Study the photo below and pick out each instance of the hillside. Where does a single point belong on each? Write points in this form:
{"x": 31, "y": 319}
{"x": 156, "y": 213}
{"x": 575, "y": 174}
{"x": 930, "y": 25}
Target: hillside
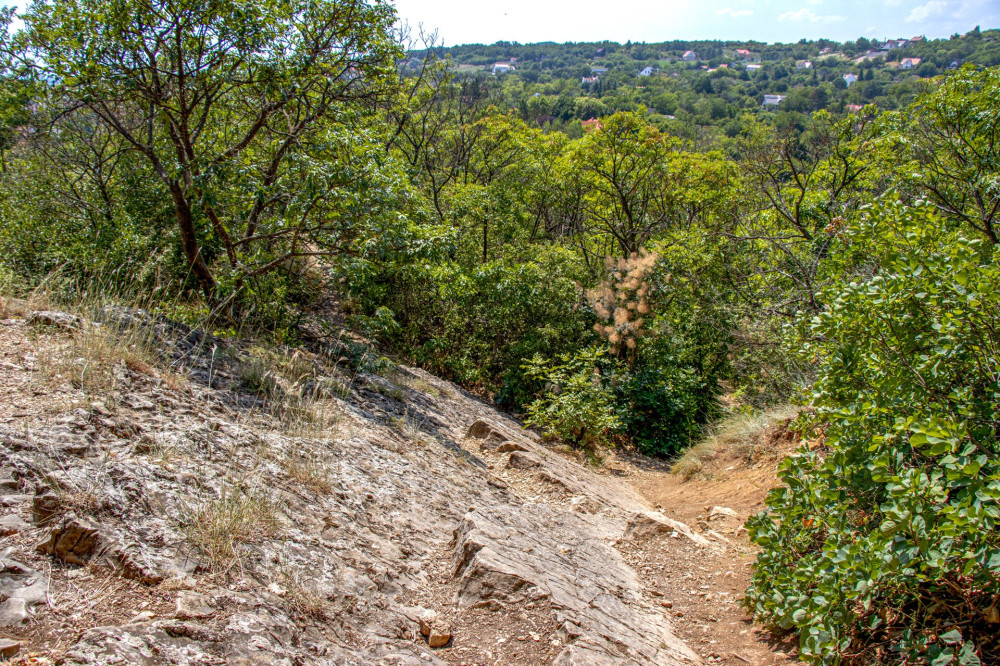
{"x": 160, "y": 512}
{"x": 694, "y": 88}
{"x": 275, "y": 277}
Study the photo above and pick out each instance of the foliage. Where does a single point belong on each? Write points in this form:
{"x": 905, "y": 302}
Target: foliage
{"x": 237, "y": 111}
{"x": 884, "y": 548}
{"x": 953, "y": 139}
{"x": 577, "y": 405}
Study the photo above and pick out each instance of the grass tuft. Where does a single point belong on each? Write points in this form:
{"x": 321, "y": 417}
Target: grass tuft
{"x": 738, "y": 435}
{"x": 220, "y": 527}
{"x": 308, "y": 470}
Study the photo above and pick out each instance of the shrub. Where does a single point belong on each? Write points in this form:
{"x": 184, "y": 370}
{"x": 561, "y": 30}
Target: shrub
{"x": 886, "y": 548}
{"x": 576, "y": 407}
{"x": 662, "y": 407}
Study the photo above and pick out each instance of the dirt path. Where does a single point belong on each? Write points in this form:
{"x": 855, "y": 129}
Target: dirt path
{"x": 702, "y": 587}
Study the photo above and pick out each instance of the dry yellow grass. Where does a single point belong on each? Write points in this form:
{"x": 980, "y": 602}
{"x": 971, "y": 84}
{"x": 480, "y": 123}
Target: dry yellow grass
{"x": 303, "y": 599}
{"x": 738, "y": 435}
{"x": 218, "y": 527}
{"x": 307, "y": 469}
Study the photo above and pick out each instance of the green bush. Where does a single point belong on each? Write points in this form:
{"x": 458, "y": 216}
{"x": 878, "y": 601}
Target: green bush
{"x": 477, "y": 325}
{"x": 884, "y": 547}
{"x": 577, "y": 405}
{"x": 662, "y": 407}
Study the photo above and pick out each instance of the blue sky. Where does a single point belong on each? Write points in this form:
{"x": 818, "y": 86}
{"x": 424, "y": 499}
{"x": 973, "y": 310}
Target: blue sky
{"x": 463, "y": 22}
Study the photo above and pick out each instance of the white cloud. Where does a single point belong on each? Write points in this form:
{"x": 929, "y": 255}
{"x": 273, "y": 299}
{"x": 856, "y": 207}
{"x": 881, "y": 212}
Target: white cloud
{"x": 735, "y": 13}
{"x": 925, "y": 11}
{"x": 809, "y": 15}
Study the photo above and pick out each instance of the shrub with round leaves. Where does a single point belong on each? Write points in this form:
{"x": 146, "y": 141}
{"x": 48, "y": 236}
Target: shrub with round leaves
{"x": 883, "y": 546}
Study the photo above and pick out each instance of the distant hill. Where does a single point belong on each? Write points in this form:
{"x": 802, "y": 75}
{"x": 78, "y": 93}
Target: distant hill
{"x": 687, "y": 85}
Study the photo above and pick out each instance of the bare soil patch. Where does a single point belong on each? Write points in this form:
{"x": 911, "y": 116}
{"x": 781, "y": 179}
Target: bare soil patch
{"x": 702, "y": 588}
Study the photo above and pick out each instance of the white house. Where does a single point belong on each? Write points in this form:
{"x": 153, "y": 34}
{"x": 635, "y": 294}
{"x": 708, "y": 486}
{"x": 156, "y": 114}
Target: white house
{"x": 892, "y": 44}
{"x": 588, "y": 80}
{"x": 503, "y": 68}
{"x": 689, "y": 56}
{"x": 646, "y": 71}
{"x": 850, "y": 78}
{"x": 909, "y": 63}
{"x": 772, "y": 101}
{"x": 753, "y": 67}
{"x": 803, "y": 64}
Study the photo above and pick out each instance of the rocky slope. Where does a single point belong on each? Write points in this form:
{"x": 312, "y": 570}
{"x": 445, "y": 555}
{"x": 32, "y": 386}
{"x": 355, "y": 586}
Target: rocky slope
{"x": 169, "y": 515}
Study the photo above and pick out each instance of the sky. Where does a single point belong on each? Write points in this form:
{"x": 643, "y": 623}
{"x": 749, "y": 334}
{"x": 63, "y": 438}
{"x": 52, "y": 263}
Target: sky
{"x": 527, "y": 21}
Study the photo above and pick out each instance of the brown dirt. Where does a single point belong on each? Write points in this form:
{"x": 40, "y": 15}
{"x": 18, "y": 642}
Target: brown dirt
{"x": 702, "y": 588}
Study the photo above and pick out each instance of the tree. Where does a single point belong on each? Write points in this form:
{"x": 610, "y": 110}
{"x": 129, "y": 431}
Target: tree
{"x": 230, "y": 104}
{"x": 624, "y": 169}
{"x": 954, "y": 139}
{"x": 800, "y": 186}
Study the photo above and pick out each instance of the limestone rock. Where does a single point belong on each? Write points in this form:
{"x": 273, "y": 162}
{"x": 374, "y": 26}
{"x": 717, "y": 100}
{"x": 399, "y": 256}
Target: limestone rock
{"x": 479, "y": 430}
{"x": 511, "y": 446}
{"x": 358, "y": 531}
{"x": 490, "y": 437}
{"x": 8, "y": 484}
{"x": 45, "y": 505}
{"x": 499, "y": 556}
{"x": 193, "y": 606}
{"x": 12, "y": 524}
{"x": 62, "y": 320}
{"x": 522, "y": 460}
{"x": 439, "y": 635}
{"x": 9, "y": 648}
{"x": 14, "y": 612}
{"x": 436, "y": 631}
{"x": 722, "y": 512}
{"x": 143, "y": 616}
{"x": 647, "y": 524}
{"x": 74, "y": 540}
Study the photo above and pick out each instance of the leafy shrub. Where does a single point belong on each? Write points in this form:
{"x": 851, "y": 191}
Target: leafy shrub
{"x": 886, "y": 548}
{"x": 662, "y": 407}
{"x": 475, "y": 324}
{"x": 577, "y": 406}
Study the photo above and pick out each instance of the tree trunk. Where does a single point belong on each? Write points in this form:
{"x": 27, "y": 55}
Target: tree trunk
{"x": 189, "y": 240}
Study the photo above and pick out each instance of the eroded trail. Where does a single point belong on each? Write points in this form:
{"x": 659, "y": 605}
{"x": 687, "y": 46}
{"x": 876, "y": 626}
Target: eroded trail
{"x": 156, "y": 518}
{"x": 701, "y": 586}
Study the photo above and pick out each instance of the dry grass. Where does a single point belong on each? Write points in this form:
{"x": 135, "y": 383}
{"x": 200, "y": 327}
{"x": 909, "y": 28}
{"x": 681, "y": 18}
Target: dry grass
{"x": 411, "y": 427}
{"x": 737, "y": 435}
{"x": 302, "y": 599}
{"x": 11, "y": 307}
{"x": 89, "y": 358}
{"x": 219, "y": 527}
{"x": 418, "y": 384}
{"x": 257, "y": 376}
{"x": 307, "y": 469}
{"x": 308, "y": 418}
{"x": 389, "y": 390}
